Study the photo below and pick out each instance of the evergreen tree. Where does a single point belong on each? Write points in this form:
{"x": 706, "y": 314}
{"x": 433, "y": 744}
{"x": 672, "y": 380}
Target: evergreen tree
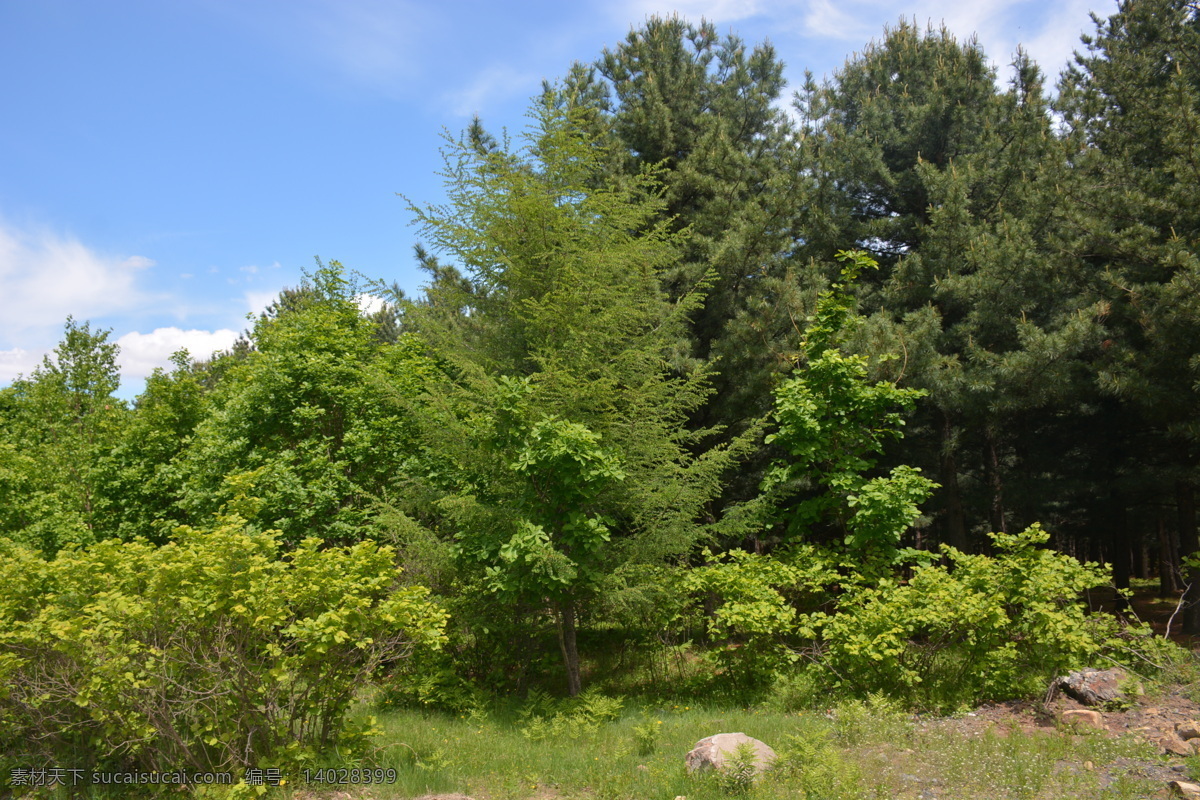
{"x": 1132, "y": 110}
{"x": 677, "y": 96}
{"x": 556, "y": 450}
{"x": 951, "y": 184}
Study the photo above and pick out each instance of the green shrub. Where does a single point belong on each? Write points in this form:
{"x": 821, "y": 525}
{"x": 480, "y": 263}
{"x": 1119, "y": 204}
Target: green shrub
{"x": 755, "y": 614}
{"x": 981, "y": 628}
{"x": 213, "y": 652}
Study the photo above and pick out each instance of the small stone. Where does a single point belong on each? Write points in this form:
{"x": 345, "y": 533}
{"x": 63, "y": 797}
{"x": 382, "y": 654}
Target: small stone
{"x": 1173, "y": 745}
{"x": 1188, "y": 730}
{"x": 1191, "y": 791}
{"x": 1151, "y": 712}
{"x": 1088, "y": 765}
{"x": 1084, "y": 718}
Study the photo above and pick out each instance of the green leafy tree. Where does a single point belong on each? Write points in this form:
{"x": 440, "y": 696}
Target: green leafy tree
{"x": 142, "y": 482}
{"x": 842, "y": 523}
{"x": 59, "y": 427}
{"x": 556, "y": 448}
{"x": 833, "y": 424}
{"x": 306, "y": 412}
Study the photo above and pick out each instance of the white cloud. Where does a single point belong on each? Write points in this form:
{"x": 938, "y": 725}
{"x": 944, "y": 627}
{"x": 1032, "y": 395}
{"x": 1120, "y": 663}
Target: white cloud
{"x": 142, "y": 352}
{"x": 371, "y": 39}
{"x": 1053, "y": 46}
{"x": 1048, "y": 31}
{"x": 491, "y": 87}
{"x": 46, "y": 276}
{"x": 257, "y": 302}
{"x": 16, "y": 362}
{"x": 378, "y": 42}
{"x": 369, "y": 303}
{"x": 844, "y": 21}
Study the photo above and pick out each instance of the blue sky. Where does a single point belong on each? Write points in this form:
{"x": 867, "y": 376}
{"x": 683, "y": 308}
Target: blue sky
{"x": 167, "y": 167}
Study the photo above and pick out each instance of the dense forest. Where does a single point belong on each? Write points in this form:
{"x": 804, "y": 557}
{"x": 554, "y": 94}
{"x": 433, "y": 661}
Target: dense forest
{"x": 851, "y": 393}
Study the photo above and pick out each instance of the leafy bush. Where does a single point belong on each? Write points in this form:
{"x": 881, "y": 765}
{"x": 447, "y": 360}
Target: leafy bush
{"x": 213, "y": 652}
{"x": 755, "y": 613}
{"x": 980, "y": 628}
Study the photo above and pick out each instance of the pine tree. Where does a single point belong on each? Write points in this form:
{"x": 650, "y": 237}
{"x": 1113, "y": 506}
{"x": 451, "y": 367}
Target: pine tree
{"x": 1132, "y": 110}
{"x": 951, "y": 184}
{"x": 677, "y": 96}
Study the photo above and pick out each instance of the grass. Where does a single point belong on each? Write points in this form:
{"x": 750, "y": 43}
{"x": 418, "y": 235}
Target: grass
{"x": 858, "y": 750}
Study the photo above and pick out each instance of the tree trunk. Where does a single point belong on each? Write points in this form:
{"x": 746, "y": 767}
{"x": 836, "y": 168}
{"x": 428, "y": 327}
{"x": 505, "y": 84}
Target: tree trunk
{"x": 1185, "y": 504}
{"x": 956, "y": 524}
{"x": 1141, "y": 568}
{"x": 1167, "y": 583}
{"x": 570, "y": 649}
{"x": 1119, "y": 546}
{"x": 996, "y": 480}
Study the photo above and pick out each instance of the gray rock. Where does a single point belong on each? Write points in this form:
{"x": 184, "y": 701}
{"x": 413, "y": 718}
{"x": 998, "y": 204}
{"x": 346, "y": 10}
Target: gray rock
{"x": 714, "y": 752}
{"x": 1093, "y": 687}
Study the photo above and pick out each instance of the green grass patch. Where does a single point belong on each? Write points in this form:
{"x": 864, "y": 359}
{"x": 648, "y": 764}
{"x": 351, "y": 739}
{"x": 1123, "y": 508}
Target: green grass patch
{"x": 856, "y": 750}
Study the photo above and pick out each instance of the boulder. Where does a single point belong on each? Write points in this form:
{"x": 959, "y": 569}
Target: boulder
{"x": 1188, "y": 730}
{"x": 714, "y": 752}
{"x": 1191, "y": 791}
{"x": 1093, "y": 687}
{"x": 1087, "y": 717}
{"x": 1174, "y": 746}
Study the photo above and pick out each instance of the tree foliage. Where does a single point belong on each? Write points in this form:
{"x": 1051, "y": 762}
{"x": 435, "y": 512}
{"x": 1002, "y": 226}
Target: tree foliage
{"x": 557, "y": 441}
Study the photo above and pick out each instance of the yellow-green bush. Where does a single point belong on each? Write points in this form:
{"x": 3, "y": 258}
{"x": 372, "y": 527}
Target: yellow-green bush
{"x": 979, "y": 628}
{"x": 213, "y": 652}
